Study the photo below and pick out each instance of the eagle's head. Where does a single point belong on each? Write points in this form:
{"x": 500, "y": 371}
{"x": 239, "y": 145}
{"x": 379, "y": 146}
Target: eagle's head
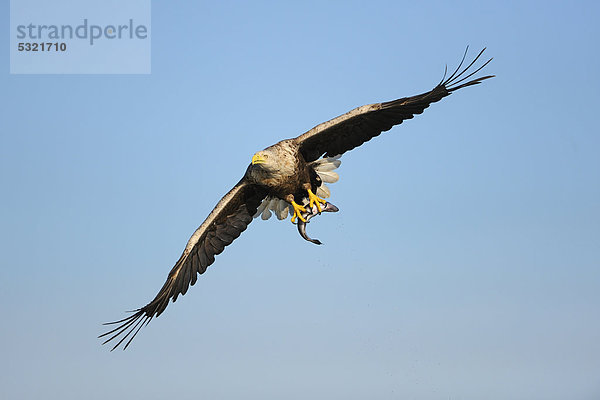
{"x": 265, "y": 160}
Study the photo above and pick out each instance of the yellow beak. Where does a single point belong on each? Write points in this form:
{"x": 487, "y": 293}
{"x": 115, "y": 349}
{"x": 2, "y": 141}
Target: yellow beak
{"x": 257, "y": 159}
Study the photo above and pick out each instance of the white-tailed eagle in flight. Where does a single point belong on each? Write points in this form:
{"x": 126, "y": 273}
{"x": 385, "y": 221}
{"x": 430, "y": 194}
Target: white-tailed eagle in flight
{"x": 288, "y": 177}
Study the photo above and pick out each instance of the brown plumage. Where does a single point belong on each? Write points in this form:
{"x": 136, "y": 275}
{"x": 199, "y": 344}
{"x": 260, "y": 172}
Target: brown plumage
{"x": 283, "y": 171}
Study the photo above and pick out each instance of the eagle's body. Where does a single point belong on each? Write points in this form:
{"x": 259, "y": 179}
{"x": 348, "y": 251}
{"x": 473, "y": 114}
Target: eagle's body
{"x": 286, "y": 177}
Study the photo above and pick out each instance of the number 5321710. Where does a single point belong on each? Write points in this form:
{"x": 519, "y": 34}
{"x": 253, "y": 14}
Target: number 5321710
{"x": 44, "y": 46}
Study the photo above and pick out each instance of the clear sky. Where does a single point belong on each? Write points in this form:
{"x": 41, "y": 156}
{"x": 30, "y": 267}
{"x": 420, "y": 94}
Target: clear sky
{"x": 464, "y": 262}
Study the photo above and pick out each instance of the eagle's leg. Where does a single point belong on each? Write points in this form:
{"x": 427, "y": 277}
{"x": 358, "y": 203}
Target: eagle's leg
{"x": 298, "y": 209}
{"x": 314, "y": 199}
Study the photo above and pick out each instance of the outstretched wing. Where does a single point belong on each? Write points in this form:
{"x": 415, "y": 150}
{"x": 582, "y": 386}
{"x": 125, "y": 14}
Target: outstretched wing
{"x": 224, "y": 224}
{"x": 360, "y": 125}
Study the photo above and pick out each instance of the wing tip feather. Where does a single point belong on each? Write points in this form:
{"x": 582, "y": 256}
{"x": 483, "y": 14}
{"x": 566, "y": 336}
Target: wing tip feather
{"x": 454, "y": 81}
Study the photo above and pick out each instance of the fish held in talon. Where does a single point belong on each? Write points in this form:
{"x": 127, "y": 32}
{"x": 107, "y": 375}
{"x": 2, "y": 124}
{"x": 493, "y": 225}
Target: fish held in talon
{"x": 311, "y": 212}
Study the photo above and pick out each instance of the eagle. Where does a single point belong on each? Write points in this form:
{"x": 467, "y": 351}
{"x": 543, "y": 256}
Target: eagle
{"x": 287, "y": 177}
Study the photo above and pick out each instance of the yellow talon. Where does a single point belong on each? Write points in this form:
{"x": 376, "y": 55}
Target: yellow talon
{"x": 314, "y": 199}
{"x": 297, "y": 210}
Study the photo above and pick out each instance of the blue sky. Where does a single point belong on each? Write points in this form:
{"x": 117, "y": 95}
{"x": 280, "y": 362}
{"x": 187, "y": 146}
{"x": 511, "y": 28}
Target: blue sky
{"x": 464, "y": 261}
